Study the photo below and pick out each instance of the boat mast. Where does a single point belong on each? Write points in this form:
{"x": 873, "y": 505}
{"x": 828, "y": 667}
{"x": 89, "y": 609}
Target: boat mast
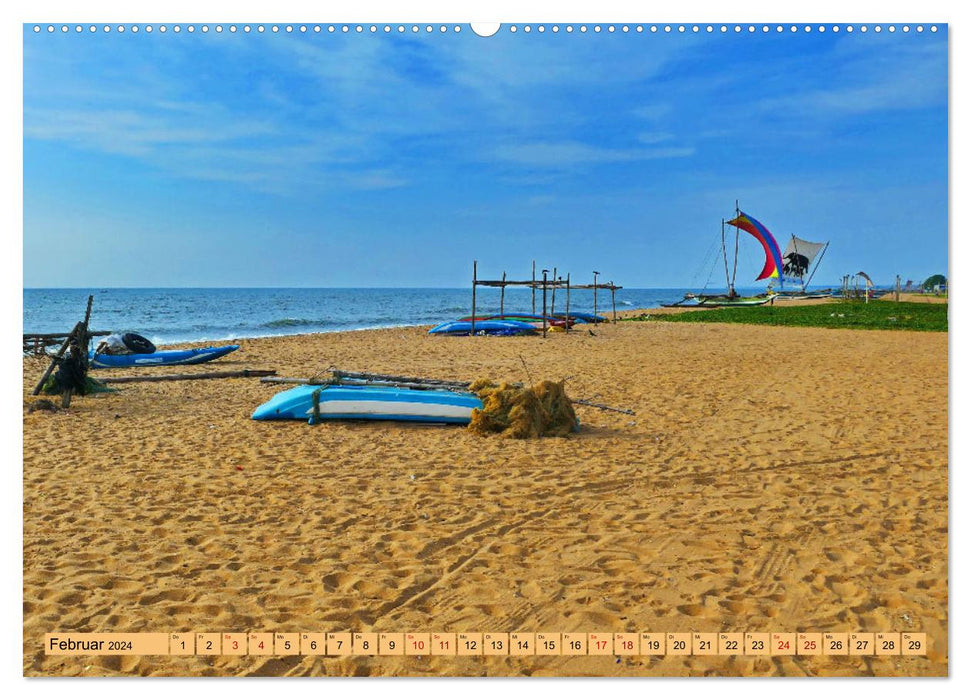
{"x": 819, "y": 259}
{"x": 728, "y": 282}
{"x": 731, "y": 291}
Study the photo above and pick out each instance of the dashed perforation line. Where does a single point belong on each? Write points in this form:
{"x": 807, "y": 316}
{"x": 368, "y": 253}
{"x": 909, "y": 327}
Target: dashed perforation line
{"x": 455, "y": 28}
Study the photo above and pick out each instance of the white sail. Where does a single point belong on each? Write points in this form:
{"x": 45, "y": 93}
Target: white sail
{"x": 798, "y": 258}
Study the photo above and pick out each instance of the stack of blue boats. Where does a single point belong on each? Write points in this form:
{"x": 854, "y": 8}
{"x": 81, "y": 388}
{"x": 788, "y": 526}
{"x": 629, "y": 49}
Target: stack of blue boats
{"x": 512, "y": 324}
{"x": 485, "y": 327}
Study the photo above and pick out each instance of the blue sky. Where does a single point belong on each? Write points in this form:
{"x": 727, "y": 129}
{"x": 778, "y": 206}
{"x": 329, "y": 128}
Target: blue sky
{"x": 394, "y": 160}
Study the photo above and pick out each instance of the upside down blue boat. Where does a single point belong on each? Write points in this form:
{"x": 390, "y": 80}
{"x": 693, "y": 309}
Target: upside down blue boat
{"x": 310, "y": 403}
{"x": 162, "y": 358}
{"x": 486, "y": 327}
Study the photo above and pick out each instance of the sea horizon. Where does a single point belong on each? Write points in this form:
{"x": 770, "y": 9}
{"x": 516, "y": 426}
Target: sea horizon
{"x": 169, "y": 315}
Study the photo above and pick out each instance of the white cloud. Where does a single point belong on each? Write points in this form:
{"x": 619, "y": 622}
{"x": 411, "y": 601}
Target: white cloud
{"x": 572, "y": 153}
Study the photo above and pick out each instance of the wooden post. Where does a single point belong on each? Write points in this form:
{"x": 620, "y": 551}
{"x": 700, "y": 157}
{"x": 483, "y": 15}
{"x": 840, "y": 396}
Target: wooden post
{"x": 595, "y": 273}
{"x": 553, "y": 295}
{"x": 544, "y": 302}
{"x": 897, "y": 294}
{"x": 85, "y": 340}
{"x": 475, "y": 272}
{"x": 534, "y": 288}
{"x": 567, "y": 302}
{"x": 613, "y": 299}
{"x": 502, "y": 296}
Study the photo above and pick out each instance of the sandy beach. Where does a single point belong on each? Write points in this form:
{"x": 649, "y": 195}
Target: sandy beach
{"x": 772, "y": 479}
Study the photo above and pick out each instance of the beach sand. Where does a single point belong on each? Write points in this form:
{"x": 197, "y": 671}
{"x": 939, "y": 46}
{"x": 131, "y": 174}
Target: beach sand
{"x": 772, "y": 479}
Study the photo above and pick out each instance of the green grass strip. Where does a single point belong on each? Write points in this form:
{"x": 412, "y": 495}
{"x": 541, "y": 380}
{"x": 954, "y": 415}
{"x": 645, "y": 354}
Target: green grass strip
{"x": 876, "y": 315}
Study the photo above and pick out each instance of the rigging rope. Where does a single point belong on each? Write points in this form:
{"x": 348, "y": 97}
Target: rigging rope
{"x": 711, "y": 266}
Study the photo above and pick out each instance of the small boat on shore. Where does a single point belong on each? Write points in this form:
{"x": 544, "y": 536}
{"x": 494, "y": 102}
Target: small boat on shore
{"x": 369, "y": 402}
{"x": 486, "y": 327}
{"x": 162, "y": 358}
{"x": 721, "y": 301}
{"x": 791, "y": 266}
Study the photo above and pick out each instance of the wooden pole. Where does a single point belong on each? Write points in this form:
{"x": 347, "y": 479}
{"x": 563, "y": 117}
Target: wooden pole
{"x": 342, "y": 374}
{"x": 534, "y": 288}
{"x": 502, "y": 296}
{"x": 58, "y": 336}
{"x": 316, "y": 381}
{"x": 475, "y": 274}
{"x": 595, "y": 273}
{"x": 87, "y": 311}
{"x": 568, "y": 302}
{"x": 229, "y": 374}
{"x": 613, "y": 299}
{"x": 738, "y": 213}
{"x": 553, "y": 295}
{"x": 544, "y": 302}
{"x": 85, "y": 340}
{"x": 897, "y": 294}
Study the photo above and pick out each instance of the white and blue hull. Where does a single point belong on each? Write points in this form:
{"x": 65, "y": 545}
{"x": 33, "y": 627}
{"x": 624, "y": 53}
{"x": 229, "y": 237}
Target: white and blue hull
{"x": 369, "y": 403}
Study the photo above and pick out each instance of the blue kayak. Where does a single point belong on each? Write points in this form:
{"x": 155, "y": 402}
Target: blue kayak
{"x": 486, "y": 327}
{"x": 165, "y": 357}
{"x": 370, "y": 403}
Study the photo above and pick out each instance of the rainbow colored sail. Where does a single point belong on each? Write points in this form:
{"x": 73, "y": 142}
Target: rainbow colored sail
{"x": 773, "y": 256}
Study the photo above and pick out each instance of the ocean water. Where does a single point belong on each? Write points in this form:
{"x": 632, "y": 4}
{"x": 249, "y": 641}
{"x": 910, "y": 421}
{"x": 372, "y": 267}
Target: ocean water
{"x": 175, "y": 315}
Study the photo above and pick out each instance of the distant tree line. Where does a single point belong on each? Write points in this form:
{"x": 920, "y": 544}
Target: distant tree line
{"x": 933, "y": 281}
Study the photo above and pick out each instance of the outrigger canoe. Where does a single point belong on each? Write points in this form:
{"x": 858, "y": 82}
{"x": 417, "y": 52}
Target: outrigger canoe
{"x": 312, "y": 403}
{"x": 725, "y": 301}
{"x": 163, "y": 358}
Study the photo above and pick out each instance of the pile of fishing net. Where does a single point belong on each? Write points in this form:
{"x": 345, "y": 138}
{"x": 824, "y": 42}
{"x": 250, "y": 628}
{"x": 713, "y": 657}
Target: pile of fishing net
{"x": 72, "y": 374}
{"x": 523, "y": 412}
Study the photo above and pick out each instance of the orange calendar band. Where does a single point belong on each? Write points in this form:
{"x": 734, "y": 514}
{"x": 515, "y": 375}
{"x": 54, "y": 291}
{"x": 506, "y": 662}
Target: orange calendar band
{"x": 487, "y": 644}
